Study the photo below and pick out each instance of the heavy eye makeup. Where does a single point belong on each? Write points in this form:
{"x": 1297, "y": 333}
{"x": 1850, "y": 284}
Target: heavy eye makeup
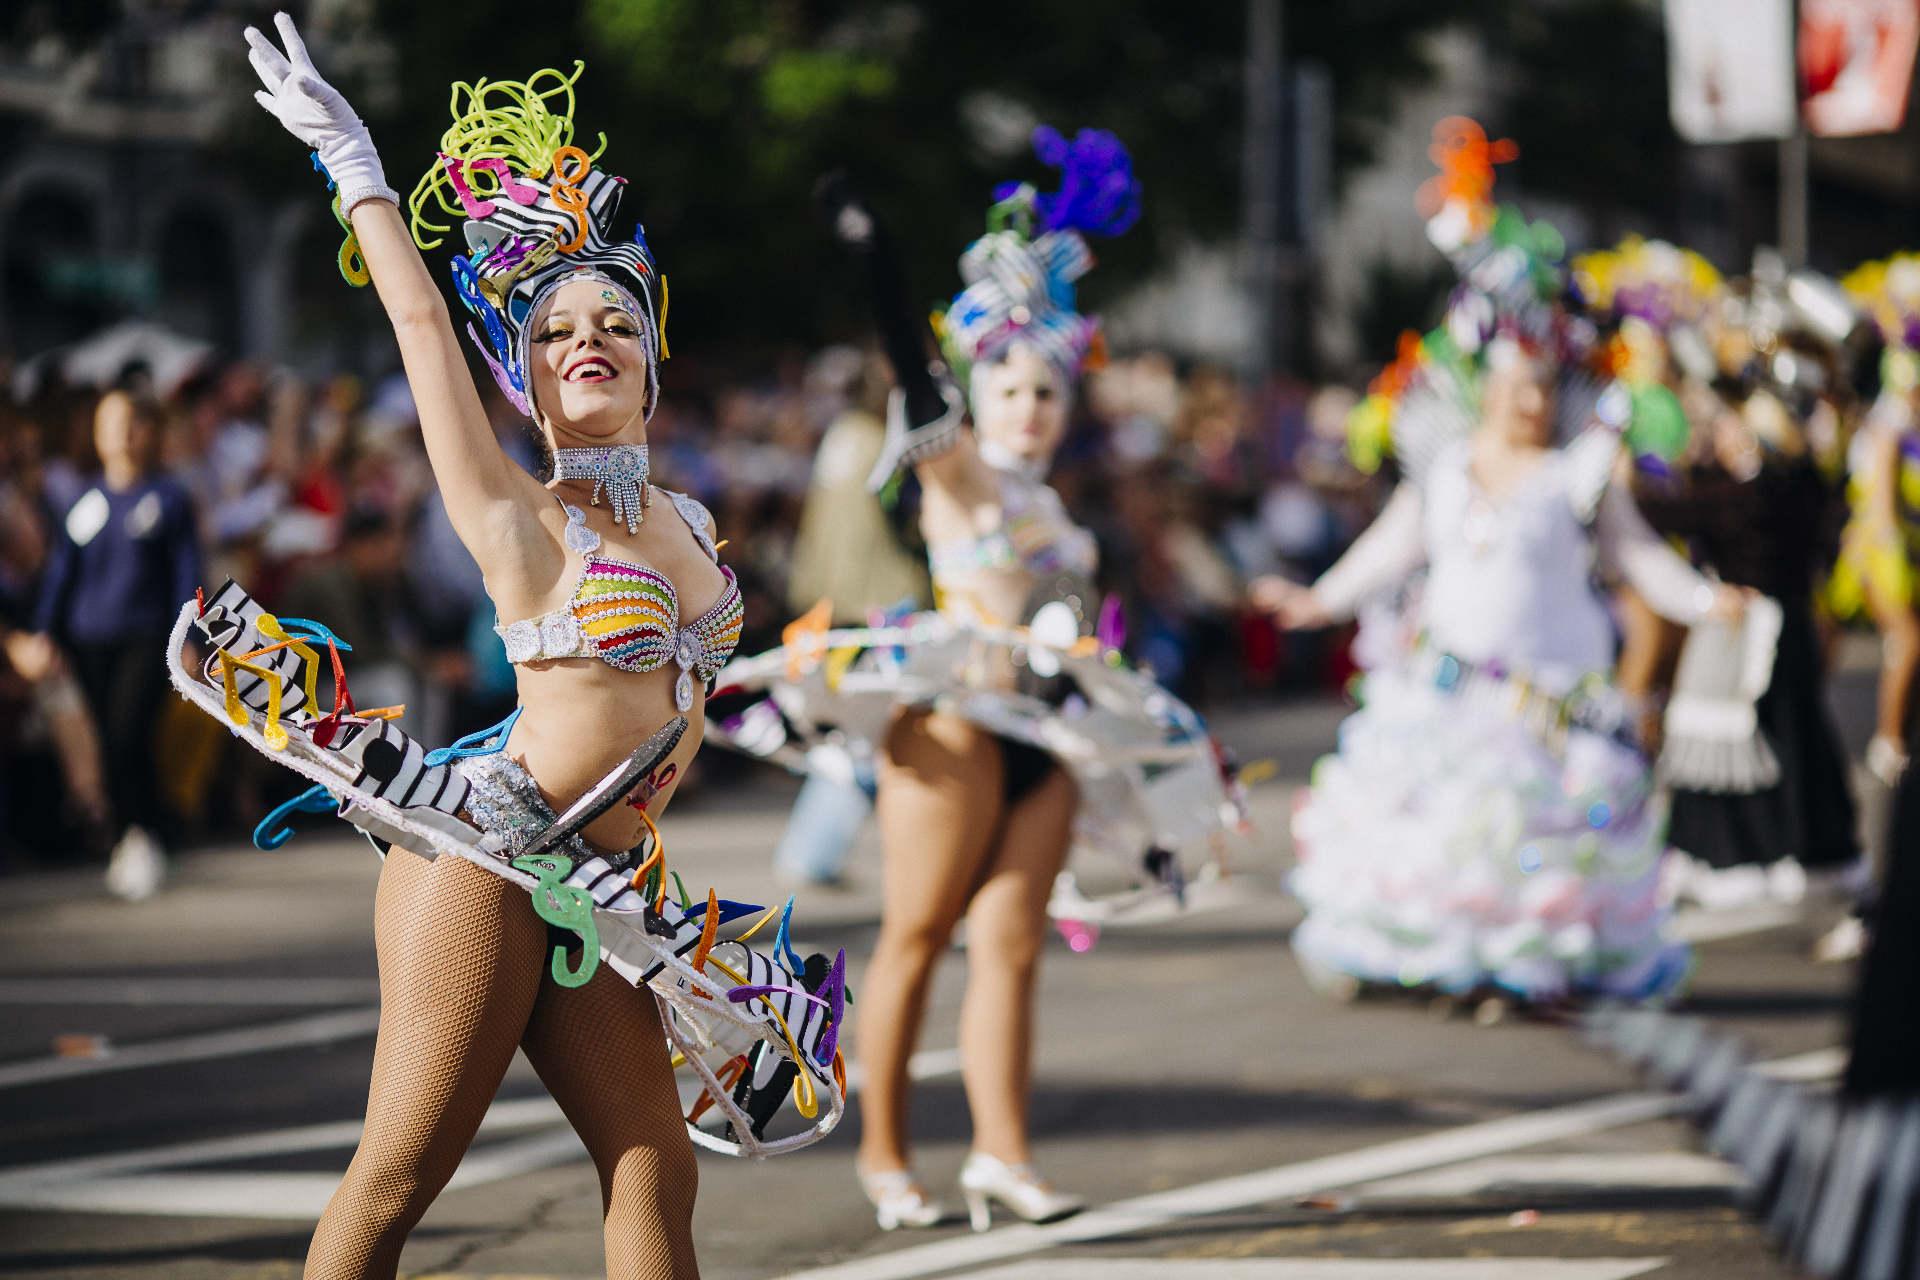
{"x": 618, "y": 323}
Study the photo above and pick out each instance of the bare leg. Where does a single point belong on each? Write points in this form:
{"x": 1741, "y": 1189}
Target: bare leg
{"x": 460, "y": 962}
{"x": 1649, "y": 650}
{"x": 939, "y": 805}
{"x": 1899, "y": 659}
{"x": 1006, "y": 928}
{"x": 602, "y": 1054}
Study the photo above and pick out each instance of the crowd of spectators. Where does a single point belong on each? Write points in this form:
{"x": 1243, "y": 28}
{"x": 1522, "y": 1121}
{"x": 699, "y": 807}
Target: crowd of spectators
{"x": 116, "y": 502}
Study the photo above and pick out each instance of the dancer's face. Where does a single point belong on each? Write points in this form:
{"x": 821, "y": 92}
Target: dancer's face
{"x": 1518, "y": 400}
{"x": 1020, "y": 404}
{"x": 589, "y": 366}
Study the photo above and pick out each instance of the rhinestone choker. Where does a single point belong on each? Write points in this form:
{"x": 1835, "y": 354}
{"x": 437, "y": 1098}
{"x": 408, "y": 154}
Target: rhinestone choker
{"x": 620, "y": 471}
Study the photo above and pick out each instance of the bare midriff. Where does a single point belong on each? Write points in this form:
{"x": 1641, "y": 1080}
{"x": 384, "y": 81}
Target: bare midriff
{"x": 582, "y": 720}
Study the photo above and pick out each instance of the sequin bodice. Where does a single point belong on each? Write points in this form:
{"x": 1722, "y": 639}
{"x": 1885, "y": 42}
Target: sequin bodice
{"x": 1035, "y": 535}
{"x": 628, "y": 615}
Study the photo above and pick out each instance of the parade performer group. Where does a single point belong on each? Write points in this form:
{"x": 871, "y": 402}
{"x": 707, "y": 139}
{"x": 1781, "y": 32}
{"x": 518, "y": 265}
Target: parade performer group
{"x": 525, "y": 899}
{"x": 1492, "y": 822}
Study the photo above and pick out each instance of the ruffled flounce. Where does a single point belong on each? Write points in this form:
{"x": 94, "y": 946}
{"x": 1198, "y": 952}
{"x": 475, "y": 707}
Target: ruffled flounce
{"x": 1450, "y": 844}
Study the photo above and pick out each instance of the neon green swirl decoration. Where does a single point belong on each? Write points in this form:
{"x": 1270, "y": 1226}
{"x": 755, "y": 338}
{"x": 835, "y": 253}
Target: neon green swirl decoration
{"x": 521, "y": 121}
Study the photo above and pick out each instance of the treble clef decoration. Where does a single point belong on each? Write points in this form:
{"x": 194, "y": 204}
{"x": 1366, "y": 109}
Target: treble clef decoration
{"x": 565, "y": 907}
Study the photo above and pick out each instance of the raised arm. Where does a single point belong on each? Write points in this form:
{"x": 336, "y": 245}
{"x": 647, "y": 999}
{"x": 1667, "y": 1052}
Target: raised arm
{"x": 1392, "y": 547}
{"x": 1675, "y": 589}
{"x": 942, "y": 451}
{"x": 487, "y": 496}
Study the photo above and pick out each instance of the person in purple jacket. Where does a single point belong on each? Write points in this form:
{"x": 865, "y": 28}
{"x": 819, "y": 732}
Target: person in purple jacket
{"x": 125, "y": 555}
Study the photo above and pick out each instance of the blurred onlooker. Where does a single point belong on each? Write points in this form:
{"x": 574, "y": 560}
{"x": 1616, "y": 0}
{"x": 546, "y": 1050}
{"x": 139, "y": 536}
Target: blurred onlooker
{"x": 360, "y": 594}
{"x": 849, "y": 549}
{"x": 126, "y": 555}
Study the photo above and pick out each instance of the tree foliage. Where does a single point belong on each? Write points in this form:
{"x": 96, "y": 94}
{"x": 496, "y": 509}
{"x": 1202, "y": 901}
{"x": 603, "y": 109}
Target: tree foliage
{"x": 723, "y": 113}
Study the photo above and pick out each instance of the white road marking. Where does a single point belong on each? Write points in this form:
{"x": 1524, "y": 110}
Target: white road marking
{"x": 1697, "y": 926}
{"x": 1327, "y": 1269}
{"x": 1584, "y": 1171}
{"x": 1285, "y": 1182}
{"x": 1288, "y": 1182}
{"x": 928, "y": 1064}
{"x": 325, "y": 1028}
{"x": 171, "y": 1180}
{"x": 188, "y": 991}
{"x": 322, "y": 1028}
{"x": 503, "y": 1116}
{"x": 1806, "y": 1068}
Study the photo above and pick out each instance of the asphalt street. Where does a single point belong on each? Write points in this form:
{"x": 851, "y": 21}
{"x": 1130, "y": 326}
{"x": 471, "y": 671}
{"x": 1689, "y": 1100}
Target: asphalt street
{"x": 181, "y": 1083}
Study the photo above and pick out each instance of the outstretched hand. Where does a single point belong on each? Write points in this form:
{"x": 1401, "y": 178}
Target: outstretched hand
{"x": 1292, "y": 605}
{"x": 1730, "y": 602}
{"x": 315, "y": 112}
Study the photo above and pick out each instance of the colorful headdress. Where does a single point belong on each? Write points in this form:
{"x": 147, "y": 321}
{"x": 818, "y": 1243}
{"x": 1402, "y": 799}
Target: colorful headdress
{"x": 1650, "y": 280}
{"x": 1511, "y": 291}
{"x": 1020, "y": 275}
{"x": 1458, "y": 200}
{"x": 1888, "y": 290}
{"x": 1656, "y": 298}
{"x": 537, "y": 212}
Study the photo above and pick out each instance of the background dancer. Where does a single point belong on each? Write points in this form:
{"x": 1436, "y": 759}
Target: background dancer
{"x": 976, "y": 825}
{"x": 1519, "y": 847}
{"x": 1753, "y": 506}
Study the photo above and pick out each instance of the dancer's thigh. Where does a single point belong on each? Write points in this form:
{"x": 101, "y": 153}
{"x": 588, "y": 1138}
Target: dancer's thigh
{"x": 1008, "y": 914}
{"x": 939, "y": 805}
{"x": 602, "y": 1054}
{"x": 460, "y": 963}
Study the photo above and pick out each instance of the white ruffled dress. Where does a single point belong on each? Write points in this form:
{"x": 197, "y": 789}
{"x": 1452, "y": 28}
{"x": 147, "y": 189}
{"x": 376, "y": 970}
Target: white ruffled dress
{"x": 1486, "y": 821}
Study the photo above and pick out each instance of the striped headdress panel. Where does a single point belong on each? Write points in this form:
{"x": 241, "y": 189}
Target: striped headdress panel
{"x": 501, "y": 241}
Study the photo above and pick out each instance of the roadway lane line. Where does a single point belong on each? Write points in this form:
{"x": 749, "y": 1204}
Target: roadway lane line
{"x": 504, "y": 1116}
{"x": 1327, "y": 1269}
{"x": 1806, "y": 1068}
{"x": 187, "y": 991}
{"x": 1584, "y": 1172}
{"x": 165, "y": 1180}
{"x": 323, "y": 1028}
{"x": 1697, "y": 926}
{"x": 1283, "y": 1183}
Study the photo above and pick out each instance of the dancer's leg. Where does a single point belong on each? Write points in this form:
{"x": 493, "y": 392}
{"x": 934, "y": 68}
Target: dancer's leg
{"x": 939, "y": 806}
{"x": 460, "y": 962}
{"x": 602, "y": 1054}
{"x": 1899, "y": 660}
{"x": 1006, "y": 928}
{"x": 1649, "y": 650}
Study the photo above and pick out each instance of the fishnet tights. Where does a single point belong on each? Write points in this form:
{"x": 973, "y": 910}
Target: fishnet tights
{"x": 463, "y": 964}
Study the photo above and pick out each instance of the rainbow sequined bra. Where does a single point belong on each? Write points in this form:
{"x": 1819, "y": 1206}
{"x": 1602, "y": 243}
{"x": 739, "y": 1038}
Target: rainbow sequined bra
{"x": 628, "y": 615}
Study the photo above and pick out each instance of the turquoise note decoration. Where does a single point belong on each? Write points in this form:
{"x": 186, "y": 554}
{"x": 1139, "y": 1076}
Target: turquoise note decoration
{"x": 565, "y": 907}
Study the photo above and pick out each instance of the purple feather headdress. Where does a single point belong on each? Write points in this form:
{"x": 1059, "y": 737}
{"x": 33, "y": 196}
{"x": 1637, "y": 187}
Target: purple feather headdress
{"x": 1020, "y": 275}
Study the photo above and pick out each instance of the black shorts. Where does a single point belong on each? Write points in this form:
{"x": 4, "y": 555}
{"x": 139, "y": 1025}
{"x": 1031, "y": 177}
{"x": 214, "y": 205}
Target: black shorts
{"x": 1023, "y": 767}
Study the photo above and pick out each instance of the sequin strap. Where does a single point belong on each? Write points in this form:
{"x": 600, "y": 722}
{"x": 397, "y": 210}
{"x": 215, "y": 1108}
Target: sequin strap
{"x": 698, "y": 519}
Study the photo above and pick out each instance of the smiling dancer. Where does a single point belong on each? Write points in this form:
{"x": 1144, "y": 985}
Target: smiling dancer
{"x": 618, "y": 613}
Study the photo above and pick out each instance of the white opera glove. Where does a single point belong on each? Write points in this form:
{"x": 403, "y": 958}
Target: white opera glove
{"x": 318, "y": 114}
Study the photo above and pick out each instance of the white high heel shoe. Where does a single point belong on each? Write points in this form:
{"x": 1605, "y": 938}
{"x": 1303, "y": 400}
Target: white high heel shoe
{"x": 1019, "y": 1189}
{"x": 899, "y": 1200}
